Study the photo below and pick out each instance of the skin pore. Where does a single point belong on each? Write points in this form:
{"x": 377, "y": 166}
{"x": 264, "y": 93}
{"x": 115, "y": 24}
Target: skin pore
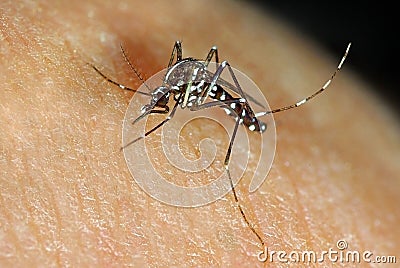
{"x": 67, "y": 197}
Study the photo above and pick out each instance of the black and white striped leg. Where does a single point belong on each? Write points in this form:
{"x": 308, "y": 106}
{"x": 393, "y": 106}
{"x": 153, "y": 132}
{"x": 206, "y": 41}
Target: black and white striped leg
{"x": 226, "y": 164}
{"x": 238, "y": 90}
{"x": 239, "y": 101}
{"x": 323, "y": 88}
{"x": 244, "y": 107}
{"x": 178, "y": 51}
{"x": 213, "y": 52}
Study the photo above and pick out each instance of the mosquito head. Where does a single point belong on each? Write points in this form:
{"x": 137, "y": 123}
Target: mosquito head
{"x": 160, "y": 96}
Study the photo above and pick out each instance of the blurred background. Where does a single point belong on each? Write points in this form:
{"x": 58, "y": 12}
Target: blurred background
{"x": 369, "y": 25}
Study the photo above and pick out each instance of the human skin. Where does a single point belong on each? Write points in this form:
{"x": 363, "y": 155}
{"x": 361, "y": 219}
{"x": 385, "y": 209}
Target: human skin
{"x": 67, "y": 197}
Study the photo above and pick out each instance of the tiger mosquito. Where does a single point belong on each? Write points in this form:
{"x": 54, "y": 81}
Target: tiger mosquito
{"x": 192, "y": 85}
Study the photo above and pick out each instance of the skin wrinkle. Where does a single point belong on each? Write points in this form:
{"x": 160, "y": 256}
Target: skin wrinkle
{"x": 52, "y": 146}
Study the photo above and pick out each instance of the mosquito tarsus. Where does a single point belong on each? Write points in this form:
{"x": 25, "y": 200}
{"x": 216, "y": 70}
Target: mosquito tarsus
{"x": 192, "y": 86}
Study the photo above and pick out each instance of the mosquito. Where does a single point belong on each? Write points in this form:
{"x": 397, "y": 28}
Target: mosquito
{"x": 189, "y": 84}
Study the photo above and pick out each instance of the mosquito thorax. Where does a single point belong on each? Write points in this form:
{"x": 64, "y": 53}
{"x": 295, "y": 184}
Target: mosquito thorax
{"x": 186, "y": 71}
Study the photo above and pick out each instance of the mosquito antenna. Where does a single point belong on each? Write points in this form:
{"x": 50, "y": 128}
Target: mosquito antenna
{"x": 139, "y": 75}
{"x": 325, "y": 86}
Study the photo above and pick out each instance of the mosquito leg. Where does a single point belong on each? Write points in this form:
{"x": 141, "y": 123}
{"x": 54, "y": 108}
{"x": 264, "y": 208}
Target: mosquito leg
{"x": 239, "y": 88}
{"x": 323, "y": 88}
{"x": 228, "y": 155}
{"x": 170, "y": 116}
{"x": 243, "y": 214}
{"x": 245, "y": 107}
{"x": 226, "y": 164}
{"x": 117, "y": 84}
{"x": 214, "y": 81}
{"x": 178, "y": 50}
{"x": 213, "y": 52}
